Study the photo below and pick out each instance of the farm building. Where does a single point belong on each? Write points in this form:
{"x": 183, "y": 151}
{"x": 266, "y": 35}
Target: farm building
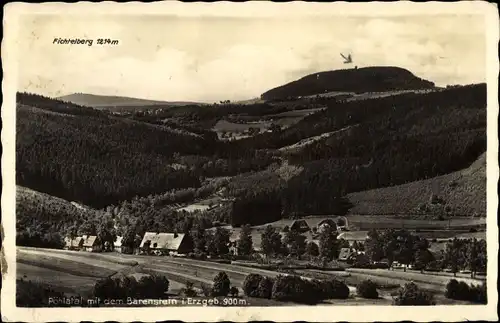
{"x": 167, "y": 243}
{"x": 73, "y": 244}
{"x": 300, "y": 226}
{"x": 91, "y": 243}
{"x": 327, "y": 222}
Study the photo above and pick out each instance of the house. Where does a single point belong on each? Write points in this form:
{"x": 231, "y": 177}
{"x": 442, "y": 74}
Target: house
{"x": 327, "y": 222}
{"x": 166, "y": 243}
{"x": 300, "y": 226}
{"x": 91, "y": 243}
{"x": 73, "y": 244}
{"x": 352, "y": 236}
{"x": 118, "y": 244}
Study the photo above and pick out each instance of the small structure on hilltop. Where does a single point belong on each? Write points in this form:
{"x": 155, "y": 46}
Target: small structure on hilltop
{"x": 73, "y": 243}
{"x": 300, "y": 226}
{"x": 166, "y": 243}
{"x": 91, "y": 243}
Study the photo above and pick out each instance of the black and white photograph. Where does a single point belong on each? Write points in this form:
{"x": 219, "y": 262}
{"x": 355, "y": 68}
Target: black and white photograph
{"x": 250, "y": 161}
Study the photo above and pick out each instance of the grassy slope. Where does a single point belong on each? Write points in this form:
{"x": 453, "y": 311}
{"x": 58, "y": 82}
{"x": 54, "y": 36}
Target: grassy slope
{"x": 464, "y": 191}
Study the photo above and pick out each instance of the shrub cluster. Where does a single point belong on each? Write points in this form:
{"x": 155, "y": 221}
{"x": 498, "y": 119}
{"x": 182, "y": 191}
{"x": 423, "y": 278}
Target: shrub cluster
{"x": 410, "y": 294}
{"x": 34, "y": 294}
{"x": 461, "y": 291}
{"x": 367, "y": 289}
{"x": 221, "y": 285}
{"x": 189, "y": 290}
{"x": 294, "y": 288}
{"x": 149, "y": 287}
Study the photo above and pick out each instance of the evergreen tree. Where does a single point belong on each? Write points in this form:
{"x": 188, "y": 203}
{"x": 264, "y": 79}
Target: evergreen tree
{"x": 328, "y": 245}
{"x": 245, "y": 243}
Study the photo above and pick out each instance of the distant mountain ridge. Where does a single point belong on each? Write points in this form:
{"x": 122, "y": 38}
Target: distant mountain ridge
{"x": 105, "y": 101}
{"x": 359, "y": 80}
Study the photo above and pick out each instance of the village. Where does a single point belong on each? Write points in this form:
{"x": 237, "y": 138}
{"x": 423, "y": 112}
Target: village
{"x": 182, "y": 244}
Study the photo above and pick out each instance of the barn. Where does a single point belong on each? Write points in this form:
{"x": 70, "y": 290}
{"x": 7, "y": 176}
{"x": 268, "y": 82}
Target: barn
{"x": 166, "y": 243}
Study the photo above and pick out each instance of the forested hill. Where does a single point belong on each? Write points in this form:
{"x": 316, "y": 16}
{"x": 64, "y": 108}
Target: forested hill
{"x": 367, "y": 79}
{"x": 384, "y": 142}
{"x": 101, "y": 159}
{"x": 104, "y": 101}
{"x": 54, "y": 105}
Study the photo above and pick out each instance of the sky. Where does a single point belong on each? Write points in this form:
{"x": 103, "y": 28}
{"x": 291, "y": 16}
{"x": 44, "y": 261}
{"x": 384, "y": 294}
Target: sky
{"x": 209, "y": 58}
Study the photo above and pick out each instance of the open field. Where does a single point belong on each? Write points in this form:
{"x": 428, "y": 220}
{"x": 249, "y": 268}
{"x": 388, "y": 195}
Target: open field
{"x": 308, "y": 141}
{"x": 367, "y": 222}
{"x": 417, "y": 277}
{"x": 56, "y": 279}
{"x": 224, "y": 125}
{"x": 296, "y": 113}
{"x": 76, "y": 273}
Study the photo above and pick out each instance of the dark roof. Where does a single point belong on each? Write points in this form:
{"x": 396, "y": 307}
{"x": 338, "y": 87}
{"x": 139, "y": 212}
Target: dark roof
{"x": 89, "y": 241}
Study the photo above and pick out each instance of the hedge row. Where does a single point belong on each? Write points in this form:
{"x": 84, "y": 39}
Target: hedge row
{"x": 461, "y": 291}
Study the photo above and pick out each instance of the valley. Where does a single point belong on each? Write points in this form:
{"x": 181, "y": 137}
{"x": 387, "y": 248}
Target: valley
{"x": 379, "y": 152}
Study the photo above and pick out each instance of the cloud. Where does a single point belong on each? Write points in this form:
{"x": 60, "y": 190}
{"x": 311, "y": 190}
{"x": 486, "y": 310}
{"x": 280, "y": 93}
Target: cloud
{"x": 207, "y": 60}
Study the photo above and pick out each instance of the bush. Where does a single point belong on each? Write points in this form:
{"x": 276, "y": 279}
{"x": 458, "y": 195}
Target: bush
{"x": 291, "y": 288}
{"x": 189, "y": 290}
{"x": 367, "y": 289}
{"x": 34, "y": 294}
{"x": 296, "y": 289}
{"x": 478, "y": 294}
{"x": 265, "y": 289}
{"x": 251, "y": 285}
{"x": 221, "y": 284}
{"x": 461, "y": 291}
{"x": 154, "y": 286}
{"x": 410, "y": 294}
{"x": 337, "y": 289}
{"x": 106, "y": 288}
{"x": 206, "y": 289}
{"x": 234, "y": 291}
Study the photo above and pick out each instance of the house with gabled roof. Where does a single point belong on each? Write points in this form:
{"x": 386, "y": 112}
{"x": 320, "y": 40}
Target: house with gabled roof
{"x": 300, "y": 226}
{"x": 167, "y": 243}
{"x": 91, "y": 243}
{"x": 73, "y": 243}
